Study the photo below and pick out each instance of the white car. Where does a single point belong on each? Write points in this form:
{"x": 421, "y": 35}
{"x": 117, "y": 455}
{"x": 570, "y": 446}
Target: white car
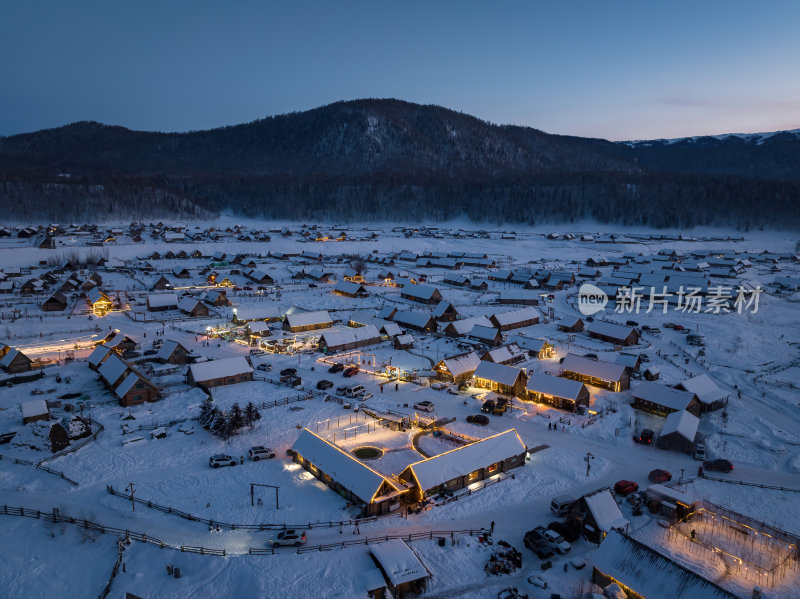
{"x": 220, "y": 459}
{"x": 366, "y": 396}
{"x": 260, "y": 453}
{"x": 288, "y": 537}
{"x": 257, "y": 352}
{"x": 424, "y": 406}
{"x": 265, "y": 367}
{"x": 556, "y": 541}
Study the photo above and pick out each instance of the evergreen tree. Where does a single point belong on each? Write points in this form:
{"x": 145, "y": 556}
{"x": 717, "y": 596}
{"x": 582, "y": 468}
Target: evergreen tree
{"x": 251, "y": 415}
{"x": 220, "y": 425}
{"x": 207, "y": 412}
{"x": 236, "y": 420}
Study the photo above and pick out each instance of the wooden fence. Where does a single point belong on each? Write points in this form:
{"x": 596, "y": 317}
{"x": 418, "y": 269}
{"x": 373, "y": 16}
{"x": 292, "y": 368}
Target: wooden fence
{"x": 749, "y": 484}
{"x": 414, "y": 536}
{"x": 231, "y": 526}
{"x": 39, "y": 466}
{"x": 114, "y": 571}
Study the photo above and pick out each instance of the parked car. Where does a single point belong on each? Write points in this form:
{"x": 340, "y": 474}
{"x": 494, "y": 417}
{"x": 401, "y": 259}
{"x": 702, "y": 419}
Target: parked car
{"x": 352, "y": 371}
{"x": 625, "y": 487}
{"x": 678, "y": 327}
{"x": 424, "y": 406}
{"x": 336, "y": 368}
{"x": 591, "y": 356}
{"x": 536, "y": 542}
{"x": 478, "y": 419}
{"x": 220, "y": 459}
{"x": 324, "y": 384}
{"x": 289, "y": 371}
{"x": 561, "y": 505}
{"x": 644, "y": 357}
{"x": 288, "y": 537}
{"x": 659, "y": 476}
{"x": 355, "y": 391}
{"x": 718, "y": 465}
{"x": 500, "y": 406}
{"x": 342, "y": 390}
{"x": 645, "y": 437}
{"x": 700, "y": 451}
{"x": 295, "y": 381}
{"x": 452, "y": 391}
{"x": 366, "y": 396}
{"x": 631, "y": 323}
{"x": 488, "y": 406}
{"x": 260, "y": 453}
{"x": 257, "y": 352}
{"x": 556, "y": 541}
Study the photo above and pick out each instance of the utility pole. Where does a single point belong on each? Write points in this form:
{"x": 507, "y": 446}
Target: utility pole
{"x": 133, "y": 503}
{"x": 589, "y": 457}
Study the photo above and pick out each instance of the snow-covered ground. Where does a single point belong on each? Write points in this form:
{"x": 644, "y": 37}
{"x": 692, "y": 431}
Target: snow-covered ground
{"x": 752, "y": 356}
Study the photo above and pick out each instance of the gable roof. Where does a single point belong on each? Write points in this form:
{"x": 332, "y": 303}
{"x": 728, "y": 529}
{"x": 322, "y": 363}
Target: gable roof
{"x": 166, "y": 349}
{"x": 555, "y": 386}
{"x": 439, "y": 469}
{"x": 215, "y": 369}
{"x": 663, "y": 395}
{"x": 651, "y": 574}
{"x": 398, "y": 561}
{"x": 608, "y": 329}
{"x": 604, "y": 509}
{"x": 98, "y": 354}
{"x": 425, "y": 292}
{"x": 605, "y": 371}
{"x": 498, "y": 373}
{"x": 304, "y": 319}
{"x": 351, "y": 335}
{"x": 462, "y": 363}
{"x": 682, "y": 422}
{"x": 516, "y": 316}
{"x": 348, "y": 471}
{"x": 705, "y": 388}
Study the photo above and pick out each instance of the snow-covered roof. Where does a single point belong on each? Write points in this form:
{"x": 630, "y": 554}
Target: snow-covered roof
{"x": 33, "y": 408}
{"x": 348, "y": 471}
{"x": 705, "y": 388}
{"x": 98, "y": 354}
{"x": 348, "y": 287}
{"x": 412, "y": 318}
{"x": 266, "y": 311}
{"x": 127, "y": 384}
{"x": 188, "y": 303}
{"x": 304, "y": 319}
{"x": 608, "y": 329}
{"x": 663, "y": 395}
{"x": 555, "y": 386}
{"x": 351, "y": 335}
{"x": 257, "y": 326}
{"x": 605, "y": 511}
{"x": 398, "y": 561}
{"x": 605, "y": 371}
{"x": 629, "y": 360}
{"x": 162, "y": 300}
{"x": 651, "y": 574}
{"x": 166, "y": 349}
{"x": 424, "y": 292}
{"x": 534, "y": 345}
{"x": 516, "y": 316}
{"x": 405, "y": 339}
{"x": 463, "y": 327}
{"x": 94, "y": 295}
{"x": 498, "y": 373}
{"x": 484, "y": 333}
{"x": 673, "y": 495}
{"x": 439, "y": 469}
{"x": 392, "y": 329}
{"x": 684, "y": 423}
{"x": 462, "y": 364}
{"x": 215, "y": 369}
{"x": 503, "y": 354}
{"x": 520, "y": 295}
{"x": 112, "y": 369}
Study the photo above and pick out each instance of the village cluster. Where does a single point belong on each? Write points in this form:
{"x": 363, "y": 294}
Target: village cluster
{"x": 397, "y": 405}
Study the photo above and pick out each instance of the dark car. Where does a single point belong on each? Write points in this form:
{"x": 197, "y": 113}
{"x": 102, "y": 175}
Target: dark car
{"x": 591, "y": 356}
{"x": 645, "y": 437}
{"x": 488, "y": 406}
{"x": 536, "y": 542}
{"x": 336, "y": 368}
{"x": 478, "y": 419}
{"x": 289, "y": 371}
{"x": 626, "y": 487}
{"x": 150, "y": 352}
{"x": 631, "y": 323}
{"x": 500, "y": 406}
{"x": 322, "y": 385}
{"x": 352, "y": 371}
{"x": 659, "y": 476}
{"x": 719, "y": 465}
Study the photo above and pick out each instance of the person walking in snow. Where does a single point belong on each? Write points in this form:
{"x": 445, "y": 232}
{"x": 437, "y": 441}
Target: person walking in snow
{"x": 491, "y": 527}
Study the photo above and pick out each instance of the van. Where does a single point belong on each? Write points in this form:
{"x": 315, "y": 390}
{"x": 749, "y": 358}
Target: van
{"x": 561, "y": 504}
{"x": 355, "y": 390}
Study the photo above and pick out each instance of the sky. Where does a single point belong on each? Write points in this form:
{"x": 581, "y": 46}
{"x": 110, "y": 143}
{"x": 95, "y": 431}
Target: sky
{"x": 614, "y": 69}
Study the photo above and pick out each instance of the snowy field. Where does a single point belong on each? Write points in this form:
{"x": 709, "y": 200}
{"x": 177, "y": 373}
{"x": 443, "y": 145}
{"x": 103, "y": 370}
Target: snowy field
{"x": 162, "y": 448}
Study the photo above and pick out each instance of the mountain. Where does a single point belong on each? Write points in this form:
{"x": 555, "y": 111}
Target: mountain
{"x": 373, "y": 159}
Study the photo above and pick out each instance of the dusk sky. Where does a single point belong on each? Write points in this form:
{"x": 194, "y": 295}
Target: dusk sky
{"x": 619, "y": 70}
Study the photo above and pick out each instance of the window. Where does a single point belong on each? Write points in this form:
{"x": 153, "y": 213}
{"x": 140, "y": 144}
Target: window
{"x": 492, "y": 468}
{"x": 473, "y": 475}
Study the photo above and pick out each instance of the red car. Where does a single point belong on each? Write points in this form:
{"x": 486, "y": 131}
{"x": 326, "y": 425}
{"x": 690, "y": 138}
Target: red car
{"x": 626, "y": 487}
{"x": 659, "y": 476}
{"x": 352, "y": 371}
